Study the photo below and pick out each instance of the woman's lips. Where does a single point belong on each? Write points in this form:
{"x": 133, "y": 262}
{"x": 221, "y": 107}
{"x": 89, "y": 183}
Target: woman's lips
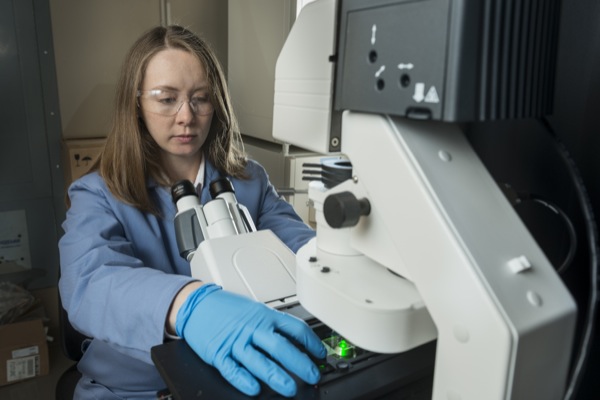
{"x": 184, "y": 138}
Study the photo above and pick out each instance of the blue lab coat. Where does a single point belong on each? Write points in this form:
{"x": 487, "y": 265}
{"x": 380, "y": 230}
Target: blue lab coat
{"x": 121, "y": 269}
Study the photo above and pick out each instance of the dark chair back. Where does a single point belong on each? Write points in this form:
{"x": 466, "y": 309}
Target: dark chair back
{"x": 71, "y": 341}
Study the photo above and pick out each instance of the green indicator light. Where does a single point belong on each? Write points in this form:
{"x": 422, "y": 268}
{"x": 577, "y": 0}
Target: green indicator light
{"x": 343, "y": 348}
{"x": 339, "y": 347}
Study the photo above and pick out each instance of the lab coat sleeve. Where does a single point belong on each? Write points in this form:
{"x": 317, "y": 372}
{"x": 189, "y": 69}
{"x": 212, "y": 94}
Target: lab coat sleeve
{"x": 276, "y": 214}
{"x": 108, "y": 292}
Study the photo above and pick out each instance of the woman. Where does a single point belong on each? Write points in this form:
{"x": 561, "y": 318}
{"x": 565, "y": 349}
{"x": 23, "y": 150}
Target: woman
{"x": 123, "y": 282}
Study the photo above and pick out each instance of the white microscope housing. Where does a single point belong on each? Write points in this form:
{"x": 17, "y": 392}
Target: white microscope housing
{"x": 425, "y": 245}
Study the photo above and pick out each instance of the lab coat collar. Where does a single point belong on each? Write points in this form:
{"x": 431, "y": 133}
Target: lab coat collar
{"x": 199, "y": 182}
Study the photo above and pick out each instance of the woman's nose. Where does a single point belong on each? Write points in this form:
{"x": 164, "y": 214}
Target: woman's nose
{"x": 185, "y": 112}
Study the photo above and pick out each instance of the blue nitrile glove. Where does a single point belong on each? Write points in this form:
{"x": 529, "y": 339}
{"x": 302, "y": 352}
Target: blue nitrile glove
{"x": 226, "y": 330}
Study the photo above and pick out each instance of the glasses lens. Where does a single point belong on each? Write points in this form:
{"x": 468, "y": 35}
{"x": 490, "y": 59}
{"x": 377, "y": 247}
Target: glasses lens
{"x": 165, "y": 102}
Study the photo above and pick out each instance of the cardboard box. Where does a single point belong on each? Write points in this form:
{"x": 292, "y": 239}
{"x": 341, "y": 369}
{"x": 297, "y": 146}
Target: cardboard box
{"x": 23, "y": 351}
{"x": 79, "y": 155}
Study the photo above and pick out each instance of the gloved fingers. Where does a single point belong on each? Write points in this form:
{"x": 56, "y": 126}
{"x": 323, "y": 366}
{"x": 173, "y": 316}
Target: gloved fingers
{"x": 298, "y": 330}
{"x": 237, "y": 376}
{"x": 266, "y": 370}
{"x": 288, "y": 355}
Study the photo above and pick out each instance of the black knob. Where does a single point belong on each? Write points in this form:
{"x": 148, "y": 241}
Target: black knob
{"x": 343, "y": 209}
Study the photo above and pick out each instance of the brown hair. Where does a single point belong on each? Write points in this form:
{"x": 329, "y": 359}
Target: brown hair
{"x": 130, "y": 154}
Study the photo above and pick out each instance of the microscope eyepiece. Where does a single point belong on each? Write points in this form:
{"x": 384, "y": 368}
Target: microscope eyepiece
{"x": 181, "y": 189}
{"x": 220, "y": 186}
{"x": 222, "y": 189}
{"x": 189, "y": 231}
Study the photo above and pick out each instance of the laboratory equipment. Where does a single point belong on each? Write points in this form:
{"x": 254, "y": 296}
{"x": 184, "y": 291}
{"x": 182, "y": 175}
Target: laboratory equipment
{"x": 223, "y": 246}
{"x": 221, "y": 242}
{"x": 427, "y": 245}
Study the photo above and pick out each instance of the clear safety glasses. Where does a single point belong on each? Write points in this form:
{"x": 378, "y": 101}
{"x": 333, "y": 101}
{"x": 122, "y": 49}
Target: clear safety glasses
{"x": 168, "y": 103}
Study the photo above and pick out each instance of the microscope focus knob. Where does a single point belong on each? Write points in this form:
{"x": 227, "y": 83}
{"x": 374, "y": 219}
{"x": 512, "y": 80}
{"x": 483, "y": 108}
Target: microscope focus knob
{"x": 343, "y": 209}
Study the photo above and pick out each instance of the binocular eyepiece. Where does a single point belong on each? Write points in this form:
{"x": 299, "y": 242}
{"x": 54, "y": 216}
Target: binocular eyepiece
{"x": 185, "y": 188}
{"x": 221, "y": 216}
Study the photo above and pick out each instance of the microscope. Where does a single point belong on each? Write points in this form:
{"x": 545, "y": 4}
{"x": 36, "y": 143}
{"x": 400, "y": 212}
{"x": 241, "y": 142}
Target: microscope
{"x": 223, "y": 246}
{"x": 420, "y": 244}
{"x": 420, "y": 263}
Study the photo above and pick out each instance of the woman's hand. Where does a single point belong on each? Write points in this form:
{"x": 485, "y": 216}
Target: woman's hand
{"x": 231, "y": 332}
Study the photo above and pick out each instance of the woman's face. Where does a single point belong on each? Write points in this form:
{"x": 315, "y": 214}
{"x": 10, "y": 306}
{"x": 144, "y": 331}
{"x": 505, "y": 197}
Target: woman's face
{"x": 175, "y": 105}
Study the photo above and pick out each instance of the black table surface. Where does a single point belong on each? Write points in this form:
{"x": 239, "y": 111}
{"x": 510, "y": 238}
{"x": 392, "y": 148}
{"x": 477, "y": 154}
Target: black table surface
{"x": 405, "y": 376}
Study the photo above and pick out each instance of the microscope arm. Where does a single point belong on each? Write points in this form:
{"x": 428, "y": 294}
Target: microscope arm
{"x": 504, "y": 319}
